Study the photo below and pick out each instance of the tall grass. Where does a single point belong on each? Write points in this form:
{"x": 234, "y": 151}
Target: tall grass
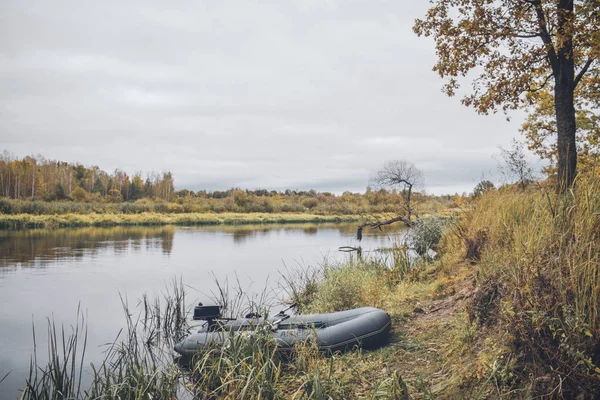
{"x": 140, "y": 364}
{"x": 357, "y": 281}
{"x": 62, "y": 377}
{"x": 539, "y": 257}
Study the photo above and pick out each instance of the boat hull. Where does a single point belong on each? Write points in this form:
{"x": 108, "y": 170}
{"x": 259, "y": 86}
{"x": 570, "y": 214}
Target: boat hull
{"x": 364, "y": 327}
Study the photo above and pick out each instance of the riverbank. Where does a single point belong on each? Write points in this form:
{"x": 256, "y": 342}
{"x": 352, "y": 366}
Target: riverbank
{"x": 510, "y": 309}
{"x": 250, "y": 367}
{"x": 28, "y": 221}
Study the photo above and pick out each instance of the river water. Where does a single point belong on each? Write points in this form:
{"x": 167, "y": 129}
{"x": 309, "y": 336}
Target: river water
{"x": 51, "y": 273}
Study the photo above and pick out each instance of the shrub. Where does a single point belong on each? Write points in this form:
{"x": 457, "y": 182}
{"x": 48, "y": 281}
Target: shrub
{"x": 115, "y": 196}
{"x": 174, "y": 208}
{"x": 134, "y": 208}
{"x": 79, "y": 194}
{"x": 349, "y": 286}
{"x": 426, "y": 234}
{"x": 310, "y": 203}
{"x": 6, "y": 206}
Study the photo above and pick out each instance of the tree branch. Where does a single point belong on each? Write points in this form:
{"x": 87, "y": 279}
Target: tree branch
{"x": 528, "y": 36}
{"x": 583, "y": 71}
{"x": 545, "y": 35}
{"x": 543, "y": 85}
{"x": 374, "y": 225}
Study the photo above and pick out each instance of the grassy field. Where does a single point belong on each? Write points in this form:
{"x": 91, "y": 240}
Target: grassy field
{"x": 20, "y": 221}
{"x": 509, "y": 309}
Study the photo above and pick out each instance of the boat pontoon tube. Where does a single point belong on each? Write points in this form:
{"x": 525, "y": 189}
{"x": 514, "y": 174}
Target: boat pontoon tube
{"x": 365, "y": 327}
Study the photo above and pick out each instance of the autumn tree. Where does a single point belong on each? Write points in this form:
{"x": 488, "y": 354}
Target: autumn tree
{"x": 136, "y": 188}
{"x": 539, "y": 128}
{"x": 38, "y": 178}
{"x": 517, "y": 49}
{"x": 240, "y": 197}
{"x": 99, "y": 187}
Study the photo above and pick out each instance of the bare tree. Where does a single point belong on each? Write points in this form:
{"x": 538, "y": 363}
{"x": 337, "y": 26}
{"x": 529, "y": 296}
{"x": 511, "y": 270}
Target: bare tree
{"x": 515, "y": 166}
{"x": 404, "y": 177}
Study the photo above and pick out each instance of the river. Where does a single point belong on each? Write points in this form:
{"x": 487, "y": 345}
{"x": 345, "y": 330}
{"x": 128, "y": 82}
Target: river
{"x": 51, "y": 273}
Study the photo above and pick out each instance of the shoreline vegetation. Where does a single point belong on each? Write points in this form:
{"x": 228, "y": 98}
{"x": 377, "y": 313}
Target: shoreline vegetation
{"x": 29, "y": 221}
{"x": 36, "y": 192}
{"x": 509, "y": 308}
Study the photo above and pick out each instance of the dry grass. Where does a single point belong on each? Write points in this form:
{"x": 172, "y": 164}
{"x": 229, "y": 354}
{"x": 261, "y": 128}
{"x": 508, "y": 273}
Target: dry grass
{"x": 20, "y": 221}
{"x": 537, "y": 257}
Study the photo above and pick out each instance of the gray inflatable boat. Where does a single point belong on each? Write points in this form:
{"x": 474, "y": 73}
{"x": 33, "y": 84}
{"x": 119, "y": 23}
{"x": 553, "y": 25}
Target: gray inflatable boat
{"x": 365, "y": 327}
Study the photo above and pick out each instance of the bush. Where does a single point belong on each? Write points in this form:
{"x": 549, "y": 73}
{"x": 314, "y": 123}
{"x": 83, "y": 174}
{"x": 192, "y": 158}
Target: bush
{"x": 6, "y": 206}
{"x": 426, "y": 234}
{"x": 310, "y": 203}
{"x": 349, "y": 286}
{"x": 174, "y": 208}
{"x": 115, "y": 196}
{"x": 79, "y": 194}
{"x": 134, "y": 208}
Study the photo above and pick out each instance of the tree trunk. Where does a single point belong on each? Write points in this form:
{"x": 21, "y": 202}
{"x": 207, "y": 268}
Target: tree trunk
{"x": 33, "y": 184}
{"x": 567, "y": 150}
{"x": 564, "y": 86}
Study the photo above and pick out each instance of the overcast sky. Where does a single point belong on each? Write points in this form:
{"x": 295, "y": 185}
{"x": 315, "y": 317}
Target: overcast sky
{"x": 253, "y": 94}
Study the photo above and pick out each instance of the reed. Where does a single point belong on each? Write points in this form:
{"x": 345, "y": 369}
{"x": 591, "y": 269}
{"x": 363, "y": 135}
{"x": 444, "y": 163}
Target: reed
{"x": 62, "y": 376}
{"x": 140, "y": 364}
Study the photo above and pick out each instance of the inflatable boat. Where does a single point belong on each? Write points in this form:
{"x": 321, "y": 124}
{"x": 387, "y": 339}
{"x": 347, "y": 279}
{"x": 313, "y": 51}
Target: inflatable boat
{"x": 365, "y": 327}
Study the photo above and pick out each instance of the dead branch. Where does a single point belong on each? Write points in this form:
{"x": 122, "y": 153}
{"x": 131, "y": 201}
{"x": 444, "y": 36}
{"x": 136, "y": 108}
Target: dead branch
{"x": 375, "y": 225}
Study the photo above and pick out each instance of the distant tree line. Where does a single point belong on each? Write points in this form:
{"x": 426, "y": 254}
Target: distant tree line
{"x": 36, "y": 185}
{"x": 37, "y": 178}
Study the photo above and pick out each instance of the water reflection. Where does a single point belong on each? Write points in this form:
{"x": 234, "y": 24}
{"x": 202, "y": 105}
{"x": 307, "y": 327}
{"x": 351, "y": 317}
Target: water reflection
{"x": 311, "y": 230}
{"x": 39, "y": 247}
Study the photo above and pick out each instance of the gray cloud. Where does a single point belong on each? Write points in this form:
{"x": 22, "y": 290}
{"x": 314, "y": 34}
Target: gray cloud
{"x": 310, "y": 94}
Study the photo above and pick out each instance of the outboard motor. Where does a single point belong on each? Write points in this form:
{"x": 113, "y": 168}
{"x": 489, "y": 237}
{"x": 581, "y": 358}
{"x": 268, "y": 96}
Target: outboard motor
{"x": 207, "y": 313}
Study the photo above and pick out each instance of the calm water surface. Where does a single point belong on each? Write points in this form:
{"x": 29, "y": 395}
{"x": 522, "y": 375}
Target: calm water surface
{"x": 49, "y": 273}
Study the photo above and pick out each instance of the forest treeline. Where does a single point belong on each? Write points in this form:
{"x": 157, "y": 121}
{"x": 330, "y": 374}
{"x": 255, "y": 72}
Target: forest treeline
{"x": 37, "y": 178}
{"x": 36, "y": 185}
